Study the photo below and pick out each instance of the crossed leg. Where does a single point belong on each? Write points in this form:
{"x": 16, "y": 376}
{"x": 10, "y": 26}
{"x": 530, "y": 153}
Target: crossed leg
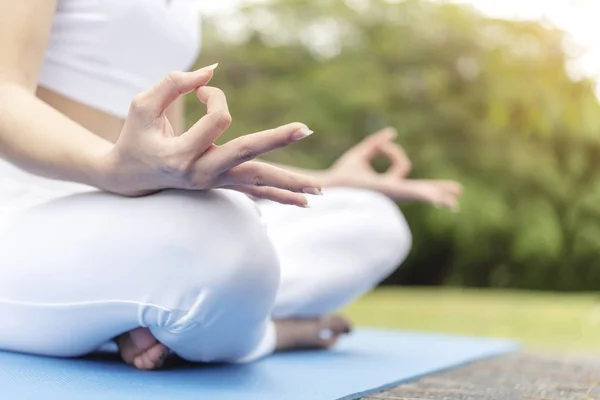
{"x": 192, "y": 272}
{"x": 196, "y": 270}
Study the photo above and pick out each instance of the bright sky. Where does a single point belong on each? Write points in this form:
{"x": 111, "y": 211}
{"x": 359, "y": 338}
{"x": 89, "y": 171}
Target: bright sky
{"x": 579, "y": 18}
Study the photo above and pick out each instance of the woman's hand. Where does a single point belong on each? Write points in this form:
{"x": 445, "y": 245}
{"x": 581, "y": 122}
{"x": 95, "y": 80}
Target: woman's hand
{"x": 354, "y": 169}
{"x": 148, "y": 156}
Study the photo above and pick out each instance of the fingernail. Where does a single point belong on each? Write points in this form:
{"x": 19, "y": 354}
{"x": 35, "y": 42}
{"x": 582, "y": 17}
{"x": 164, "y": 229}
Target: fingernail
{"x": 306, "y": 206}
{"x": 325, "y": 334}
{"x": 301, "y": 134}
{"x": 315, "y": 191}
{"x": 209, "y": 68}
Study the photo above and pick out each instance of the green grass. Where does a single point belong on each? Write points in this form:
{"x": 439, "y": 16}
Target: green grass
{"x": 542, "y": 321}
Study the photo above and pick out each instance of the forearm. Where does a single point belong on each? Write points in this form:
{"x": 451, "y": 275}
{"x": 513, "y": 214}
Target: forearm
{"x": 41, "y": 140}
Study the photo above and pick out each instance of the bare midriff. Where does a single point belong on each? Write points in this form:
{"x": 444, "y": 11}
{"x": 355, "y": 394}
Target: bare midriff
{"x": 102, "y": 124}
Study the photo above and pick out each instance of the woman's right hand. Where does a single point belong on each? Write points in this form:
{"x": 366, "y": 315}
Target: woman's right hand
{"x": 149, "y": 157}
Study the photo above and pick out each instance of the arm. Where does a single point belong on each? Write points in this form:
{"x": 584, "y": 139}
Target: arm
{"x": 33, "y": 135}
{"x": 147, "y": 156}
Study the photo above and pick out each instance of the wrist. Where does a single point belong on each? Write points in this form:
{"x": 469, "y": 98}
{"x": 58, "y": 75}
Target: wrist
{"x": 101, "y": 168}
{"x": 109, "y": 175}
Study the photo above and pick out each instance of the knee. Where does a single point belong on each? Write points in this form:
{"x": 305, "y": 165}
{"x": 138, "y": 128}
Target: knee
{"x": 178, "y": 260}
{"x": 219, "y": 263}
{"x": 383, "y": 230}
{"x": 228, "y": 287}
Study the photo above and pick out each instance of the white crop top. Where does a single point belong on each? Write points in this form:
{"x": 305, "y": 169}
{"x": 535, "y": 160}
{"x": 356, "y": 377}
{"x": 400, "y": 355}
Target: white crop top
{"x": 103, "y": 52}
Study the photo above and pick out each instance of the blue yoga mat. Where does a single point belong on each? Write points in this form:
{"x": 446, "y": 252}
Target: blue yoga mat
{"x": 367, "y": 362}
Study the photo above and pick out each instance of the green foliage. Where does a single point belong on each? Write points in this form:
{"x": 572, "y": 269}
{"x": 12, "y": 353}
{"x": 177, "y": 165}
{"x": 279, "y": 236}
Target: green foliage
{"x": 486, "y": 102}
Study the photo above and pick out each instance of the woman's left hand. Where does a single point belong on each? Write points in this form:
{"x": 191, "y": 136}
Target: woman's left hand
{"x": 354, "y": 169}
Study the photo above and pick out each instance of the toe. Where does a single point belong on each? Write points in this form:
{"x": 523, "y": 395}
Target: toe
{"x": 338, "y": 324}
{"x": 153, "y": 358}
{"x": 133, "y": 343}
{"x": 310, "y": 333}
{"x": 138, "y": 347}
{"x": 331, "y": 328}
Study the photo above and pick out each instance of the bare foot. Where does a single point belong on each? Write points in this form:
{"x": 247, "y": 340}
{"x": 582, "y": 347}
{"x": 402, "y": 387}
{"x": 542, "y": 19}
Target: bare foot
{"x": 138, "y": 347}
{"x": 313, "y": 333}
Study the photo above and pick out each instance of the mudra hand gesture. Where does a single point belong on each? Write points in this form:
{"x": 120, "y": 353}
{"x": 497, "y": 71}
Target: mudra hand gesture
{"x": 354, "y": 169}
{"x": 149, "y": 156}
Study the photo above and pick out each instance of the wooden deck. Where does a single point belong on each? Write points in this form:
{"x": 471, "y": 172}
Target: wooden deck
{"x": 511, "y": 377}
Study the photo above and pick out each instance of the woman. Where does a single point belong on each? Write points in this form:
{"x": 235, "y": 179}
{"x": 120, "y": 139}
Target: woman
{"x": 200, "y": 270}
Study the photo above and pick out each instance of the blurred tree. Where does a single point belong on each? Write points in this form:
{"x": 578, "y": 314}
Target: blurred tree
{"x": 487, "y": 102}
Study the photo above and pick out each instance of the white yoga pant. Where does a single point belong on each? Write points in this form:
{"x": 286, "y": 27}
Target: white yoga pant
{"x": 205, "y": 271}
